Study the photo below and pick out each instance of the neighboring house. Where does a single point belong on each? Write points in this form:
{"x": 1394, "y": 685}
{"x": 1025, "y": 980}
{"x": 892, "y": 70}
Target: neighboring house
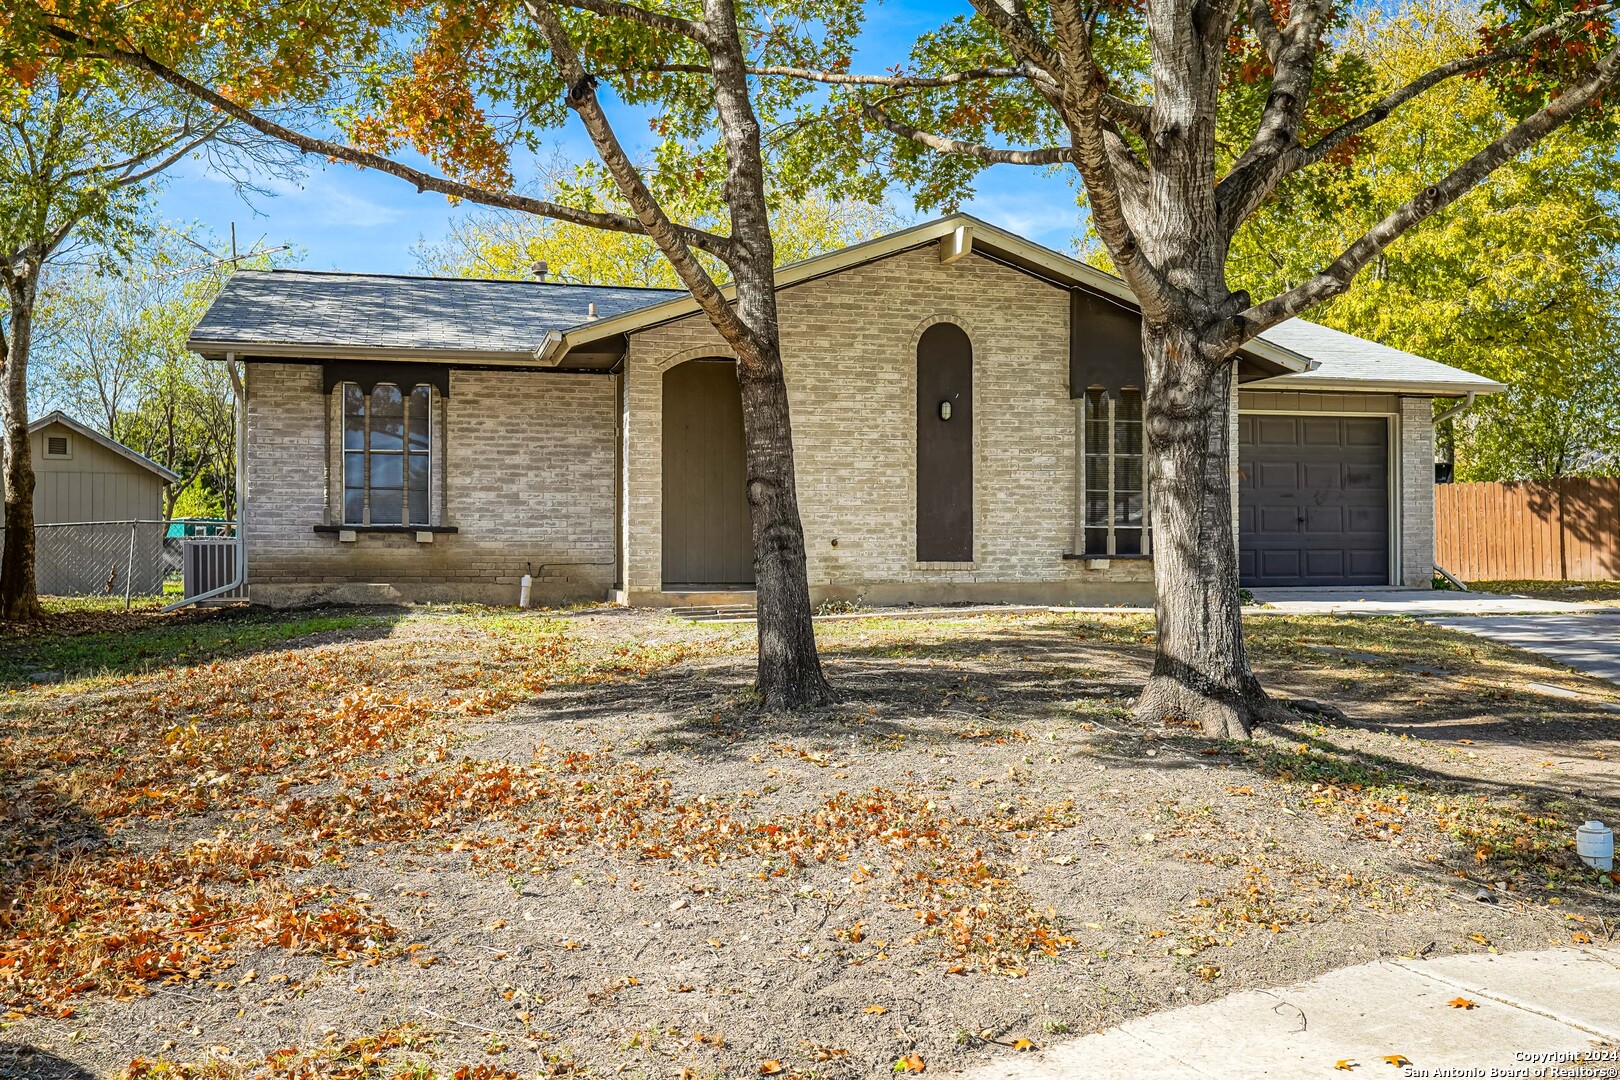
{"x": 88, "y": 489}
{"x": 436, "y": 439}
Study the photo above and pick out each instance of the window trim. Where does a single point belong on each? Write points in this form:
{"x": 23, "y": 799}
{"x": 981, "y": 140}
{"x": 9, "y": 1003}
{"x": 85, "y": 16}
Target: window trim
{"x": 67, "y": 447}
{"x": 1083, "y": 526}
{"x": 430, "y": 525}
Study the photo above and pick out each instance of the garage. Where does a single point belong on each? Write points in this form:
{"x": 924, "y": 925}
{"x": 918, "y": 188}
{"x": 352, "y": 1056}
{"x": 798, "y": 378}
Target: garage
{"x": 1313, "y": 500}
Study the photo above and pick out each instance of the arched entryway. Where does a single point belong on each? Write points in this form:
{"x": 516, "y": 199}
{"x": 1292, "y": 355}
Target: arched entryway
{"x": 708, "y": 541}
{"x": 944, "y": 445}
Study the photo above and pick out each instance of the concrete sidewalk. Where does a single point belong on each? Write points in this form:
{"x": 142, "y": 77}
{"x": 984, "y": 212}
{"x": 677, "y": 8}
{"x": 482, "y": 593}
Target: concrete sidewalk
{"x": 1559, "y": 1002}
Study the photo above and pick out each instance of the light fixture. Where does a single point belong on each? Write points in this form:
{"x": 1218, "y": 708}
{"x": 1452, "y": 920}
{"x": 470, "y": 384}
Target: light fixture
{"x": 944, "y": 410}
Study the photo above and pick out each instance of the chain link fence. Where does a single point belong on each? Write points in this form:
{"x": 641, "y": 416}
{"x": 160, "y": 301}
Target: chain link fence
{"x": 112, "y": 558}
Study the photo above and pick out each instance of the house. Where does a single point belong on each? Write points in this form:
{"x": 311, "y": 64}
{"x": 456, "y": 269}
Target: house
{"x": 98, "y": 511}
{"x": 967, "y": 426}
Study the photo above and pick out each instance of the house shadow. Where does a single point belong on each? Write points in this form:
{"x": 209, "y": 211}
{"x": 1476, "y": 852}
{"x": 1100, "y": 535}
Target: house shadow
{"x": 20, "y": 1061}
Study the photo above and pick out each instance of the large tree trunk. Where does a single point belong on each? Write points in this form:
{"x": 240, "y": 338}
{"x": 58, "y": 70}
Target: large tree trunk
{"x": 789, "y": 673}
{"x": 19, "y": 600}
{"x": 1200, "y": 665}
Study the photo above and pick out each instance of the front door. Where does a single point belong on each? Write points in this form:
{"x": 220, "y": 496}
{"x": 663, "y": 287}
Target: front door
{"x": 708, "y": 539}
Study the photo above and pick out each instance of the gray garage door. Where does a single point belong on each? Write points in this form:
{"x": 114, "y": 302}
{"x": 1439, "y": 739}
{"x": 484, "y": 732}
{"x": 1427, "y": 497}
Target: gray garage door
{"x": 1313, "y": 500}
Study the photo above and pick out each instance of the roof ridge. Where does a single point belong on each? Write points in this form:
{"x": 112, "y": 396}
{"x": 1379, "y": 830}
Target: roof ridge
{"x": 469, "y": 280}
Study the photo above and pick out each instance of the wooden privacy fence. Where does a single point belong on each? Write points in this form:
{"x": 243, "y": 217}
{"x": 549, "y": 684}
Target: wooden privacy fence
{"x": 1564, "y": 530}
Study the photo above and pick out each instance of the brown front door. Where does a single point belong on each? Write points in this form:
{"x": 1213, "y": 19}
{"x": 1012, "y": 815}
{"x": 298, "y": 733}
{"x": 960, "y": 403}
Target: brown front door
{"x": 708, "y": 541}
{"x": 944, "y": 445}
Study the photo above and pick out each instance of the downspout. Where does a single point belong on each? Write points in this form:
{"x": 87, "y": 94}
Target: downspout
{"x": 240, "y": 400}
{"x": 1457, "y": 410}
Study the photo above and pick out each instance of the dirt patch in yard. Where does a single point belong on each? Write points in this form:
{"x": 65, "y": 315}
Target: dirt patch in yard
{"x": 570, "y": 846}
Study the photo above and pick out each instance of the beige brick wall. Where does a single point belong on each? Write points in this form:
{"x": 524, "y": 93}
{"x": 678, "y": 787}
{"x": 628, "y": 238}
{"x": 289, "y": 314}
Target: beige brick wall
{"x": 1415, "y": 506}
{"x": 849, "y": 346}
{"x": 524, "y": 471}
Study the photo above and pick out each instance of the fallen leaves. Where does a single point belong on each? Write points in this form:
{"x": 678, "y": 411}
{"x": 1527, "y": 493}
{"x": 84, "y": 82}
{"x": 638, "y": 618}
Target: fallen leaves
{"x": 1345, "y": 1065}
{"x": 1397, "y": 1060}
{"x": 1462, "y": 1003}
{"x": 911, "y": 1063}
{"x": 771, "y": 1067}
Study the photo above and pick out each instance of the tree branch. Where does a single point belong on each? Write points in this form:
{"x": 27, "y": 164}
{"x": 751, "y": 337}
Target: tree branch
{"x": 653, "y": 20}
{"x": 1336, "y": 277}
{"x": 992, "y": 155}
{"x": 649, "y": 214}
{"x": 718, "y": 246}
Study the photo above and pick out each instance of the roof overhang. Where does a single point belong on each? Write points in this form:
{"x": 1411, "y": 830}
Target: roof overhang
{"x": 957, "y": 236}
{"x": 217, "y": 349}
{"x": 1411, "y": 388}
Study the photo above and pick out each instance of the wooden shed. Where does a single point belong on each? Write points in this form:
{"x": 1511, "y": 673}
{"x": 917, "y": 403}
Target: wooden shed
{"x": 98, "y": 511}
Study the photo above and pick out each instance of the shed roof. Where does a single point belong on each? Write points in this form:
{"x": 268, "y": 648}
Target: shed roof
{"x": 57, "y": 416}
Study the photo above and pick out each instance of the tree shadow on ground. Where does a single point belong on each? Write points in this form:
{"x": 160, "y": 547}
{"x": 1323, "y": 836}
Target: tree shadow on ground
{"x": 20, "y": 1061}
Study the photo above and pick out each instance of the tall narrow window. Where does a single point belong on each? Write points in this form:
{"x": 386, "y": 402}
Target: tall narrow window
{"x": 1116, "y": 520}
{"x": 387, "y": 455}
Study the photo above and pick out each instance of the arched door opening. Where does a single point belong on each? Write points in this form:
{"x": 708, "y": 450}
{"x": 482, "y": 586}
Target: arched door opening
{"x": 708, "y": 539}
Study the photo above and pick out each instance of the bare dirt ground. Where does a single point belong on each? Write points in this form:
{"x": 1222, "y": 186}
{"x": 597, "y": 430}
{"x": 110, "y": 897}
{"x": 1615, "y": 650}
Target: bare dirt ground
{"x": 481, "y": 845}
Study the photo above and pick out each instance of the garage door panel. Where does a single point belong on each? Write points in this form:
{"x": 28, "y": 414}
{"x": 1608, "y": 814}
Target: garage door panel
{"x": 1277, "y": 475}
{"x": 1370, "y": 432}
{"x": 1279, "y": 520}
{"x": 1324, "y": 520}
{"x": 1279, "y": 563}
{"x": 1321, "y": 431}
{"x": 1320, "y": 474}
{"x": 1317, "y": 510}
{"x": 1325, "y": 563}
{"x": 1276, "y": 431}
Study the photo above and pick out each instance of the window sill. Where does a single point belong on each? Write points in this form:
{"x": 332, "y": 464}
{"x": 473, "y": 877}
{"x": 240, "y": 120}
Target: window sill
{"x": 928, "y": 565}
{"x": 402, "y": 529}
{"x": 1071, "y": 557}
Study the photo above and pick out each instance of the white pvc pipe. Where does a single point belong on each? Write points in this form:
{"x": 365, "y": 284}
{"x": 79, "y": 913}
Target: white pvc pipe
{"x": 240, "y": 397}
{"x": 523, "y": 591}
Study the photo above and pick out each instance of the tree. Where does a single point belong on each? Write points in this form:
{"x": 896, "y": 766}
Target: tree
{"x": 505, "y": 244}
{"x": 116, "y": 357}
{"x": 419, "y": 76}
{"x": 1515, "y": 281}
{"x": 1140, "y": 101}
{"x": 76, "y": 157}
{"x": 1129, "y": 97}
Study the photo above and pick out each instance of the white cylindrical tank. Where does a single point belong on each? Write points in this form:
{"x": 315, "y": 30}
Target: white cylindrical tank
{"x": 1594, "y": 843}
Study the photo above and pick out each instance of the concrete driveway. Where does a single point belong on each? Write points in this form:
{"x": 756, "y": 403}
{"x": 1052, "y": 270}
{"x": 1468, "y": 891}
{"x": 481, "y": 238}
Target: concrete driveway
{"x": 1405, "y": 602}
{"x": 1589, "y": 643}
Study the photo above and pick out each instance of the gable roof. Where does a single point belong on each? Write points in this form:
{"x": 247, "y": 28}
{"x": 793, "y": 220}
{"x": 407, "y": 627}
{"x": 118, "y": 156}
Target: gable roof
{"x": 323, "y": 315}
{"x": 309, "y": 313}
{"x": 57, "y": 416}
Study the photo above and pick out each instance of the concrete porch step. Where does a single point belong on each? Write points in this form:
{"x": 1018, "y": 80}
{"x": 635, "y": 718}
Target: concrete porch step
{"x": 714, "y": 612}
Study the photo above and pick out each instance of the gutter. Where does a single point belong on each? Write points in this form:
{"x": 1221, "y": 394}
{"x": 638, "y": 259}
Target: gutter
{"x": 240, "y": 579}
{"x": 1457, "y": 410}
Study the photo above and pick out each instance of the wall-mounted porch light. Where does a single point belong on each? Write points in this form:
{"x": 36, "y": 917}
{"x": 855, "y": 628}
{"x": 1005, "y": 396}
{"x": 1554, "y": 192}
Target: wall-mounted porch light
{"x": 944, "y": 410}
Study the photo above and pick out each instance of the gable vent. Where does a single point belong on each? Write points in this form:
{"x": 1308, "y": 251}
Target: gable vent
{"x": 56, "y": 446}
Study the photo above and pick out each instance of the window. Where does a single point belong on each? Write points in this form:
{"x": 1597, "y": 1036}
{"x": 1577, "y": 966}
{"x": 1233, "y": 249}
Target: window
{"x": 387, "y": 455}
{"x": 57, "y": 446}
{"x": 1115, "y": 480}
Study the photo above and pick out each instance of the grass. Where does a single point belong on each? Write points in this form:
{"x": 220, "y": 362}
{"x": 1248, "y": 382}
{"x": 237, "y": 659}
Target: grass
{"x": 75, "y": 655}
{"x": 1579, "y": 592}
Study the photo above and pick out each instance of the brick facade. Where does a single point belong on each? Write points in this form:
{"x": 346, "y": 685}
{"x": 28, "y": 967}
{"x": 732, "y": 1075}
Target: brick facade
{"x": 560, "y": 474}
{"x": 849, "y": 345}
{"x": 524, "y": 468}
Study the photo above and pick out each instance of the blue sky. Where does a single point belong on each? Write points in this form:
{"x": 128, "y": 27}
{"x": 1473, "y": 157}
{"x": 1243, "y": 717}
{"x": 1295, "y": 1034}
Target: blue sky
{"x": 345, "y": 219}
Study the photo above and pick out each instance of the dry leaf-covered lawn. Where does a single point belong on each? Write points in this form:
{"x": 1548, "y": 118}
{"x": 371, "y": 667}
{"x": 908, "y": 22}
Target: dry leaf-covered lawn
{"x": 481, "y": 844}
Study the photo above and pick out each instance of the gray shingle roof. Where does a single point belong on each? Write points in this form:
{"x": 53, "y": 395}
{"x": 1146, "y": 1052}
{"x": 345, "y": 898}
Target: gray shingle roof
{"x": 372, "y": 311}
{"x": 1344, "y": 361}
